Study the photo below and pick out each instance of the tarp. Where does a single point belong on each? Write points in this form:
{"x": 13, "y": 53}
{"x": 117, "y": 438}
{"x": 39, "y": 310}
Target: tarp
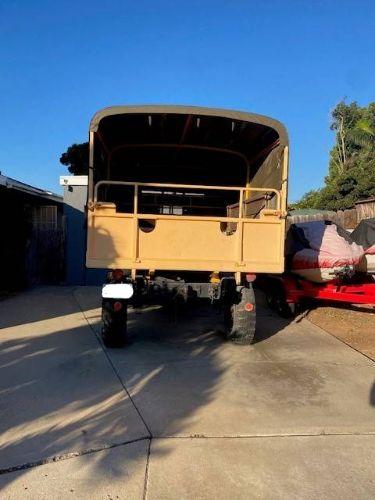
{"x": 364, "y": 235}
{"x": 321, "y": 245}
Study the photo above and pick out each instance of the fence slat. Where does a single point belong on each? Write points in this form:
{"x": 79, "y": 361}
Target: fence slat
{"x": 347, "y": 219}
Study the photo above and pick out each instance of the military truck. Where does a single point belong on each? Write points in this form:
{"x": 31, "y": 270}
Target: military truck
{"x": 184, "y": 203}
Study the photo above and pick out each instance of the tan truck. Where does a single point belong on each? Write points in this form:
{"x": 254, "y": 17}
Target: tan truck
{"x": 185, "y": 202}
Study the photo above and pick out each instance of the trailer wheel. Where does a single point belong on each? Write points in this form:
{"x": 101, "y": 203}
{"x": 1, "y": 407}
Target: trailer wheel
{"x": 114, "y": 318}
{"x": 240, "y": 316}
{"x": 275, "y": 296}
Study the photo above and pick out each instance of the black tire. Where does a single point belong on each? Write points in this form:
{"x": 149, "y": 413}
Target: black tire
{"x": 240, "y": 317}
{"x": 114, "y": 327}
{"x": 275, "y": 296}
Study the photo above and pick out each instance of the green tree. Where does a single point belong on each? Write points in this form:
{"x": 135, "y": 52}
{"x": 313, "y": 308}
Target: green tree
{"x": 351, "y": 172}
{"x": 76, "y": 158}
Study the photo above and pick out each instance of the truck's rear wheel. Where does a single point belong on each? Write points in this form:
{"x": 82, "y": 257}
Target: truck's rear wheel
{"x": 114, "y": 318}
{"x": 240, "y": 316}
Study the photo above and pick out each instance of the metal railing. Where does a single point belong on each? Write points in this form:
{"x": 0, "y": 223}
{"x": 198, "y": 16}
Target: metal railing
{"x": 241, "y": 190}
{"x": 240, "y": 220}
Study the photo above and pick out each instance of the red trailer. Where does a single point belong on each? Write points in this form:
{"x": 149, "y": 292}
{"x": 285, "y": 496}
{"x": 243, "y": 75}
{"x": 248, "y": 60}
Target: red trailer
{"x": 287, "y": 291}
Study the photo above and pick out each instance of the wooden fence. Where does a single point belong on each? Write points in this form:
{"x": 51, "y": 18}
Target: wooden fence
{"x": 349, "y": 219}
{"x": 344, "y": 218}
{"x": 365, "y": 209}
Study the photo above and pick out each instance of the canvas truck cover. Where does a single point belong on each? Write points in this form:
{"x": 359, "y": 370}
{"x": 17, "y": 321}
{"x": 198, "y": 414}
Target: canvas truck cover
{"x": 192, "y": 110}
{"x": 258, "y": 139}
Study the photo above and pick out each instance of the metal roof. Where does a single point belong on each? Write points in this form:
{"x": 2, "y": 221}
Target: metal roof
{"x": 10, "y": 183}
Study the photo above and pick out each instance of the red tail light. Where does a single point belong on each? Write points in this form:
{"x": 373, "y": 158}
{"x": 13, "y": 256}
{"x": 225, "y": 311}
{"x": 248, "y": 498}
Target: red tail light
{"x": 117, "y": 274}
{"x": 250, "y": 277}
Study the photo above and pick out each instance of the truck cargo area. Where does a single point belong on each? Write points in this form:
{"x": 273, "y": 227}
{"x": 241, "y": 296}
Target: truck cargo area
{"x": 195, "y": 189}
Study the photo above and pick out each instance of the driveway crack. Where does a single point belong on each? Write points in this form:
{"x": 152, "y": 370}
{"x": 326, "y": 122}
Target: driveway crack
{"x": 114, "y": 369}
{"x": 67, "y": 456}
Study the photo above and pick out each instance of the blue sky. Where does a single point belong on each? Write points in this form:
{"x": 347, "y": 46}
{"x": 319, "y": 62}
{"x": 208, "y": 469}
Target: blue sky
{"x": 60, "y": 61}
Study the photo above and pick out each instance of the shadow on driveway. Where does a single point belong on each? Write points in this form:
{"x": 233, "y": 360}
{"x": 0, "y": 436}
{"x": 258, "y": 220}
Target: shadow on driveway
{"x": 59, "y": 394}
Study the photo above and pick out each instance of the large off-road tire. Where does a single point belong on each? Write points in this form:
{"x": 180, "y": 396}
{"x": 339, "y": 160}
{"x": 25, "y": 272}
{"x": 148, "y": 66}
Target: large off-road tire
{"x": 114, "y": 322}
{"x": 240, "y": 316}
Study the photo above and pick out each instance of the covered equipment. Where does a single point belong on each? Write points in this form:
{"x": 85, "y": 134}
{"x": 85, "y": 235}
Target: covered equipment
{"x": 364, "y": 235}
{"x": 320, "y": 251}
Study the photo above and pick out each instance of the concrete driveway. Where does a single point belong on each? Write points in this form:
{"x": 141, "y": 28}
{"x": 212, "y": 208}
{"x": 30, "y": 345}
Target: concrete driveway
{"x": 179, "y": 413}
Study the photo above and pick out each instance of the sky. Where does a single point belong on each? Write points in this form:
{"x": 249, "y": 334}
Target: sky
{"x": 293, "y": 60}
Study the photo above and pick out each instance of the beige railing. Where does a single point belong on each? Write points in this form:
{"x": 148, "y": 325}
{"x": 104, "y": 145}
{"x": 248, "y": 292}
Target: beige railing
{"x": 136, "y": 186}
{"x": 140, "y": 254}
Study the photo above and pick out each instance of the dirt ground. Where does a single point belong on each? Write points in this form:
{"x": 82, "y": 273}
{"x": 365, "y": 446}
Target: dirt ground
{"x": 355, "y": 326}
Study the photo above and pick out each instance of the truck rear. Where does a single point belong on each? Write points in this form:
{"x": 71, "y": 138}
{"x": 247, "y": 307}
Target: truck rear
{"x": 187, "y": 202}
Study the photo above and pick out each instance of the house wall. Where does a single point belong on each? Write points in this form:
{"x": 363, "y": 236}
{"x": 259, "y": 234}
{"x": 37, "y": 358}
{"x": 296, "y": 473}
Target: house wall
{"x": 75, "y": 197}
{"x": 30, "y": 253}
